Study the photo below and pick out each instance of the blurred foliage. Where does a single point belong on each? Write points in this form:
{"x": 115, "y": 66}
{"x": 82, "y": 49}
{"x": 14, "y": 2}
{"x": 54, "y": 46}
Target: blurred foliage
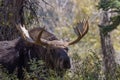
{"x": 115, "y": 22}
{"x": 113, "y": 4}
{"x": 85, "y": 8}
{"x": 113, "y": 7}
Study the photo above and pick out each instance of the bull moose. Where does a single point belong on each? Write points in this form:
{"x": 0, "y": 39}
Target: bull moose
{"x": 40, "y": 44}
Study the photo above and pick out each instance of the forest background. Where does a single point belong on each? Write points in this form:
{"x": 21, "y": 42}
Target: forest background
{"x": 59, "y": 17}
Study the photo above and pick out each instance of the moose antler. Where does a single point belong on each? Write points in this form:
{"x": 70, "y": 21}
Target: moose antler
{"x": 24, "y": 32}
{"x": 54, "y": 43}
{"x": 85, "y": 26}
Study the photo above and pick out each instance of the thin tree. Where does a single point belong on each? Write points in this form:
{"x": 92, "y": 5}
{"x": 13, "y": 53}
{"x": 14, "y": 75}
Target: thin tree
{"x": 108, "y": 23}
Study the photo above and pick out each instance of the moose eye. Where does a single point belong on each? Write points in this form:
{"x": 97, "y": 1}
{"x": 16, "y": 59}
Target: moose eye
{"x": 66, "y": 49}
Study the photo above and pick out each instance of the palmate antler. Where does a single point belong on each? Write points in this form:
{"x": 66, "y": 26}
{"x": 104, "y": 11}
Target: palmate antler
{"x": 84, "y": 24}
{"x": 54, "y": 43}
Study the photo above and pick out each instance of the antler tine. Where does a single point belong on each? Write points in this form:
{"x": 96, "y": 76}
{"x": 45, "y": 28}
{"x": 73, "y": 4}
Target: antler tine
{"x": 24, "y": 33}
{"x": 85, "y": 27}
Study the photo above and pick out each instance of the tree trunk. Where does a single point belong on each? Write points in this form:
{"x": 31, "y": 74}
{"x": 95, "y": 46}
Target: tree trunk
{"x": 11, "y": 13}
{"x": 107, "y": 49}
{"x": 108, "y": 56}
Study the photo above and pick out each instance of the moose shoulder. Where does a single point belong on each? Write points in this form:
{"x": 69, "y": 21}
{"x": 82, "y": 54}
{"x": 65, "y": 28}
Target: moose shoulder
{"x": 40, "y": 44}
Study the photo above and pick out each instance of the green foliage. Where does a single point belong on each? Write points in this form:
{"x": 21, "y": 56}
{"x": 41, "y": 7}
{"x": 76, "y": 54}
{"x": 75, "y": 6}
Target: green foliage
{"x": 107, "y": 4}
{"x": 114, "y": 5}
{"x": 115, "y": 22}
{"x": 88, "y": 68}
{"x": 4, "y": 75}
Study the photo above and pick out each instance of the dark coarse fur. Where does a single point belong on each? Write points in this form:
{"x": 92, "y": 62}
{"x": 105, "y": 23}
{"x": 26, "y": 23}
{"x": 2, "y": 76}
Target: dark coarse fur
{"x": 17, "y": 53}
